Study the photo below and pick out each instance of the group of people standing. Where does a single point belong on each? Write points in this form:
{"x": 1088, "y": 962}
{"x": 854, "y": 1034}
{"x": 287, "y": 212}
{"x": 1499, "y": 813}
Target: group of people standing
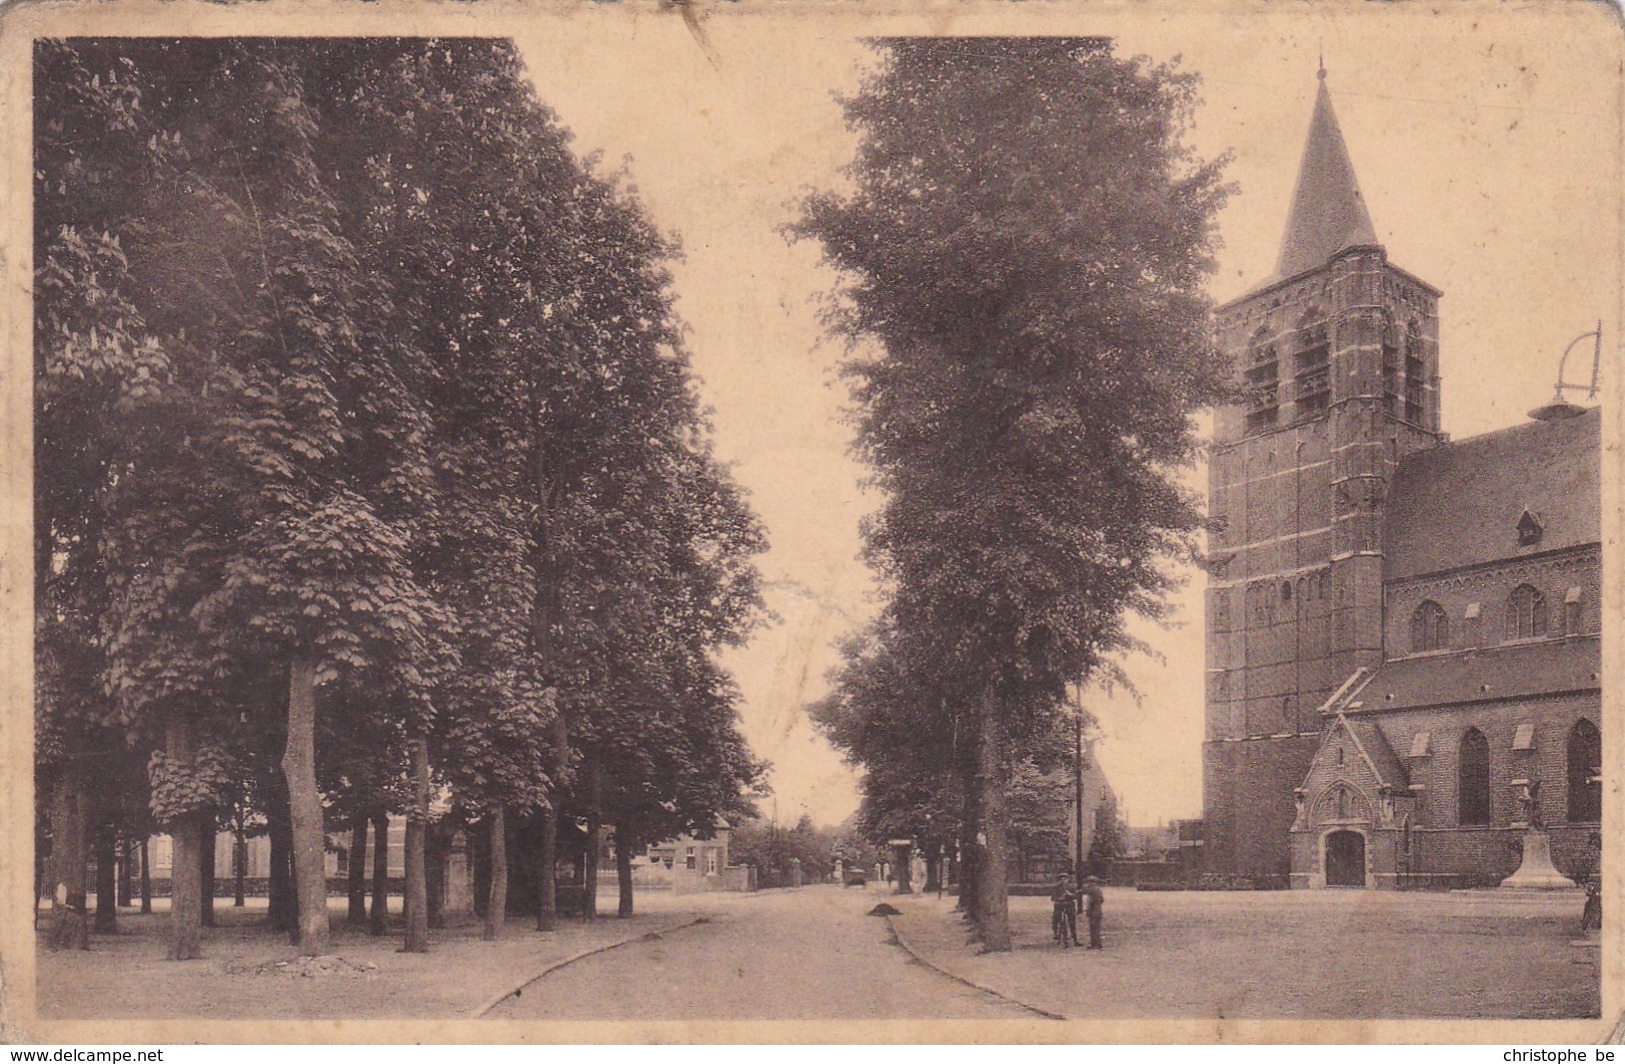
{"x": 1067, "y": 898}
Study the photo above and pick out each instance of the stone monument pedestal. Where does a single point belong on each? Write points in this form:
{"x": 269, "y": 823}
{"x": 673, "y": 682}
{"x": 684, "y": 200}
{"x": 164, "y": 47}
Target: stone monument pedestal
{"x": 1537, "y": 872}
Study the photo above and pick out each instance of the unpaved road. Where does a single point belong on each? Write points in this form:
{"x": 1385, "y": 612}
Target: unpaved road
{"x": 809, "y": 954}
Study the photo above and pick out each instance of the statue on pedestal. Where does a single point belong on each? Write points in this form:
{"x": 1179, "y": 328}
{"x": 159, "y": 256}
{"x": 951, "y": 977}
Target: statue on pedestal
{"x": 1535, "y": 871}
{"x": 1529, "y": 803}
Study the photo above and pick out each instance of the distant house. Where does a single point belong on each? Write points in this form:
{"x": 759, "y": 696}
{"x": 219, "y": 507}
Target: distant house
{"x": 693, "y": 865}
{"x": 1152, "y": 843}
{"x": 256, "y": 856}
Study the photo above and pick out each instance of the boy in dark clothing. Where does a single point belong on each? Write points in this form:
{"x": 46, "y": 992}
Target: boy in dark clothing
{"x": 1064, "y": 919}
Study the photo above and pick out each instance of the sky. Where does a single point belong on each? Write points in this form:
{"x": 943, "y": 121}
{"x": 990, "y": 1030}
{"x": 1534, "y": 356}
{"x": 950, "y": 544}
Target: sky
{"x": 1487, "y": 147}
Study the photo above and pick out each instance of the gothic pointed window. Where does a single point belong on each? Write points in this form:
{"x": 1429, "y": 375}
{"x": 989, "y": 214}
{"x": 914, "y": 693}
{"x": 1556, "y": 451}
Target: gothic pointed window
{"x": 1430, "y": 628}
{"x": 1526, "y": 613}
{"x": 1585, "y": 768}
{"x": 1473, "y": 780}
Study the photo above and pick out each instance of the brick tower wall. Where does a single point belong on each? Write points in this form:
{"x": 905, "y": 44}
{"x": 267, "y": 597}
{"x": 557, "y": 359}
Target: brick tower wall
{"x": 1341, "y": 370}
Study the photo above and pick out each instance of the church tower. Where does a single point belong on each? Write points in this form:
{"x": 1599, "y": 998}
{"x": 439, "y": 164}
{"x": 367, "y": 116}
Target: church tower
{"x": 1338, "y": 359}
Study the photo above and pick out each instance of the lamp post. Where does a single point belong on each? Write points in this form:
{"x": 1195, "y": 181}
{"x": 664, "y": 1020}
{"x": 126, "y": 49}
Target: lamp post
{"x": 1077, "y": 780}
{"x": 1559, "y": 408}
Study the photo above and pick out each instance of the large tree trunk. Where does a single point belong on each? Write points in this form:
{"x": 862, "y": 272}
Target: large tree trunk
{"x": 933, "y": 866}
{"x": 305, "y": 807}
{"x": 357, "y": 914}
{"x": 623, "y": 867}
{"x": 185, "y": 888}
{"x": 544, "y": 613}
{"x": 436, "y": 849}
{"x": 417, "y": 822}
{"x": 186, "y": 835}
{"x": 239, "y": 869}
{"x": 547, "y": 897}
{"x": 969, "y": 824}
{"x": 106, "y": 882}
{"x": 146, "y": 878}
{"x": 282, "y": 907}
{"x": 547, "y": 890}
{"x": 125, "y": 873}
{"x": 479, "y": 852}
{"x": 65, "y": 878}
{"x": 205, "y": 856}
{"x": 378, "y": 919}
{"x": 496, "y": 899}
{"x": 595, "y": 832}
{"x": 992, "y": 885}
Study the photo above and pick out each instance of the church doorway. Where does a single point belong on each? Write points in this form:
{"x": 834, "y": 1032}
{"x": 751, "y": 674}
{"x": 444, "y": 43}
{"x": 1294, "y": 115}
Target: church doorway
{"x": 1345, "y": 859}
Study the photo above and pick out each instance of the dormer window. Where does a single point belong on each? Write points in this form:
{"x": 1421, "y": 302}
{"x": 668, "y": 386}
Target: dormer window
{"x": 1530, "y": 529}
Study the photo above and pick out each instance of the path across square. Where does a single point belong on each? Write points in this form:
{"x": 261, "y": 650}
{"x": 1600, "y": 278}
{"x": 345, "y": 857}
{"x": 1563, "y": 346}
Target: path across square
{"x": 1286, "y": 954}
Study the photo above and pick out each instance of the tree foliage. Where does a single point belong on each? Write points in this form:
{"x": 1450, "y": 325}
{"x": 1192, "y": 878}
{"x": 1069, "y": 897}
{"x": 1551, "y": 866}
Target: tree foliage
{"x": 348, "y": 367}
{"x": 1022, "y": 252}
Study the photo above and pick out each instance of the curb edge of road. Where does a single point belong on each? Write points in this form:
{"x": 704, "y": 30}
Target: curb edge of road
{"x": 480, "y": 1012}
{"x": 919, "y": 955}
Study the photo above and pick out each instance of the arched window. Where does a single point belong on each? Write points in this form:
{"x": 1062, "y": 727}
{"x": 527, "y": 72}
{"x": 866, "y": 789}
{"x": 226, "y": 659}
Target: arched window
{"x": 1473, "y": 790}
{"x": 1585, "y": 765}
{"x": 1311, "y": 375}
{"x": 1415, "y": 371}
{"x": 1430, "y": 628}
{"x": 1526, "y": 613}
{"x": 1263, "y": 376}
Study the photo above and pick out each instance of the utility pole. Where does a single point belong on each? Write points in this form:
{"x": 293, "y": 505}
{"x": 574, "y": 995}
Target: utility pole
{"x": 1077, "y": 766}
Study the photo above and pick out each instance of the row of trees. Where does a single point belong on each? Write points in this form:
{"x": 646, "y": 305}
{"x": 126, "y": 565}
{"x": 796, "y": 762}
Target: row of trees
{"x": 1023, "y": 244}
{"x": 369, "y": 472}
{"x": 774, "y": 850}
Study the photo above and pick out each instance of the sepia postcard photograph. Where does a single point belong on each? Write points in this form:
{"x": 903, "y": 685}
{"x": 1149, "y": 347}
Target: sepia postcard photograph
{"x": 692, "y": 522}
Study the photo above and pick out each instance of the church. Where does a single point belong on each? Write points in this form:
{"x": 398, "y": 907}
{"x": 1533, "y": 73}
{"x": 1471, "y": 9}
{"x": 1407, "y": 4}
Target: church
{"x": 1402, "y": 630}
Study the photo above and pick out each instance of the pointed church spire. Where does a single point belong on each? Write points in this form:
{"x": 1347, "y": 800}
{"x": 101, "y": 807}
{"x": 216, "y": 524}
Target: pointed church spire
{"x": 1328, "y": 213}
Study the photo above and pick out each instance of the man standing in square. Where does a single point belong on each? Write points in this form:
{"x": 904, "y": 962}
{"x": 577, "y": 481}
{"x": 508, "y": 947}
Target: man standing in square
{"x": 1094, "y": 902}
